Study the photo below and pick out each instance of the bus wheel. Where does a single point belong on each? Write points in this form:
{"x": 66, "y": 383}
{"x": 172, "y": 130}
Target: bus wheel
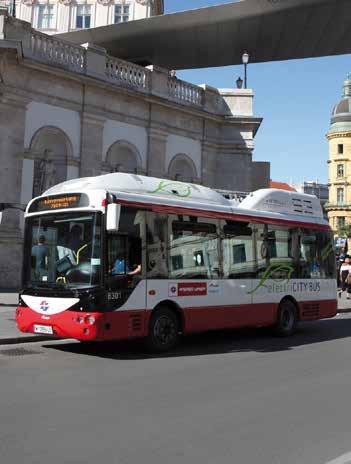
{"x": 286, "y": 320}
{"x": 163, "y": 330}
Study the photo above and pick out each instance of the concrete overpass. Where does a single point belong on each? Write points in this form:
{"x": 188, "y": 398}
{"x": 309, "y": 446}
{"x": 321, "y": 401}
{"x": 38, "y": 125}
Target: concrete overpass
{"x": 270, "y": 30}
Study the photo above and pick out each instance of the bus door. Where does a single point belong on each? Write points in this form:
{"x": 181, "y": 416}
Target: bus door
{"x": 126, "y": 290}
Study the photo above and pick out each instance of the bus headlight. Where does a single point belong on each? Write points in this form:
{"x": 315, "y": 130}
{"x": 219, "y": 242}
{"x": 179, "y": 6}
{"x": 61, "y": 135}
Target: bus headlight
{"x": 90, "y": 320}
{"x": 80, "y": 319}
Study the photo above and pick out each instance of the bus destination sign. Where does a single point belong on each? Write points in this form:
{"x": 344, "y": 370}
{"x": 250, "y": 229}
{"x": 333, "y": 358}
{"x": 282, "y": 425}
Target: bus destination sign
{"x": 70, "y": 200}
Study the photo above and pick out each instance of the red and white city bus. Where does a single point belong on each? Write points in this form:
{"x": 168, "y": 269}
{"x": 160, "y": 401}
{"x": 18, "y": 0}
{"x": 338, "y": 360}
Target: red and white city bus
{"x": 121, "y": 255}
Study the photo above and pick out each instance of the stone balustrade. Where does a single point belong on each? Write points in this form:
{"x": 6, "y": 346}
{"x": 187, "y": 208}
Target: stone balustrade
{"x": 185, "y": 92}
{"x": 125, "y": 73}
{"x": 46, "y": 48}
{"x": 93, "y": 61}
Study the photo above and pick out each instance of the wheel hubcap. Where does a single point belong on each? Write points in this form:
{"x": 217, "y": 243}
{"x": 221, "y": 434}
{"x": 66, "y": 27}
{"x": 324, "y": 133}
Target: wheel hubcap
{"x": 165, "y": 330}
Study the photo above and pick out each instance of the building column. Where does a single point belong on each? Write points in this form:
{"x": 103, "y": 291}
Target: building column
{"x": 91, "y": 145}
{"x": 12, "y": 127}
{"x": 72, "y": 169}
{"x": 209, "y": 155}
{"x": 156, "y": 153}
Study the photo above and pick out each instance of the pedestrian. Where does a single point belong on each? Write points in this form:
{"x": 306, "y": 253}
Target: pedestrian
{"x": 40, "y": 253}
{"x": 345, "y": 277}
{"x": 338, "y": 265}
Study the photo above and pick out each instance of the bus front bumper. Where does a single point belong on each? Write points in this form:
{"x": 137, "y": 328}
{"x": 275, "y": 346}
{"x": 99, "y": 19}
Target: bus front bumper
{"x": 85, "y": 326}
{"x": 68, "y": 324}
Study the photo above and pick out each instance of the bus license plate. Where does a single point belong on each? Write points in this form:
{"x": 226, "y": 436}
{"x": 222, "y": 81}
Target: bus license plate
{"x": 43, "y": 329}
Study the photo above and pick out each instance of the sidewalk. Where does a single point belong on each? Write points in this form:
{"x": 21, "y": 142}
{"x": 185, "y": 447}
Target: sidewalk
{"x": 10, "y": 334}
{"x": 8, "y": 299}
{"x": 344, "y": 305}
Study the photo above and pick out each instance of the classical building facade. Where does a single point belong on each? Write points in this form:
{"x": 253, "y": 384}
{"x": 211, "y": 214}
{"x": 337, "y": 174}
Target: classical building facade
{"x": 339, "y": 136}
{"x": 59, "y": 16}
{"x": 67, "y": 111}
{"x": 321, "y": 191}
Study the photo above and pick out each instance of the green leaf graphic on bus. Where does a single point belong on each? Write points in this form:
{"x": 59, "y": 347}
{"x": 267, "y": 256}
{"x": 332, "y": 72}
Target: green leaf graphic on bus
{"x": 174, "y": 188}
{"x": 326, "y": 251}
{"x": 284, "y": 269}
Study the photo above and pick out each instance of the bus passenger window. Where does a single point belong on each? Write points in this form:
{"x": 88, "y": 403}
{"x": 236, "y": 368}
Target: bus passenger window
{"x": 156, "y": 246}
{"x": 237, "y": 250}
{"x": 193, "y": 248}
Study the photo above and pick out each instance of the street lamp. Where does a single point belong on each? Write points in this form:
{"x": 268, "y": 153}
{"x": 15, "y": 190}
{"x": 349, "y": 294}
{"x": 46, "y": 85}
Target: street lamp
{"x": 239, "y": 83}
{"x": 245, "y": 60}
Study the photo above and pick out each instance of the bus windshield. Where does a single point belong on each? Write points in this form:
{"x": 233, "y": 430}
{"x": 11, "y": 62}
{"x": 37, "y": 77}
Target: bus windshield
{"x": 63, "y": 250}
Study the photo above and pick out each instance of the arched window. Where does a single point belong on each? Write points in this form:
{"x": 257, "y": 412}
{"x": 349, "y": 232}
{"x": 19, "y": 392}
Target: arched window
{"x": 122, "y": 157}
{"x": 182, "y": 168}
{"x": 50, "y": 148}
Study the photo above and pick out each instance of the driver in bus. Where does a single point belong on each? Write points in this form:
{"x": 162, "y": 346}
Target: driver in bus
{"x": 120, "y": 267}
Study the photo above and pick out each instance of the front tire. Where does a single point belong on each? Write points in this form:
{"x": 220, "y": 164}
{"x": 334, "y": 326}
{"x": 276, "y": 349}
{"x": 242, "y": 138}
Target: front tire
{"x": 286, "y": 319}
{"x": 164, "y": 329}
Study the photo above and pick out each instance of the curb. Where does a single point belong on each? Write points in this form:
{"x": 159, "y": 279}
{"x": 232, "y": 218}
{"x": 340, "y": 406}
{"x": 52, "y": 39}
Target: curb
{"x": 9, "y": 305}
{"x": 29, "y": 339}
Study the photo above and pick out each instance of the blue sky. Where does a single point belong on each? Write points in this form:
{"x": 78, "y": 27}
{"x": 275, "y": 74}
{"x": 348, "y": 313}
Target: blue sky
{"x": 295, "y": 99}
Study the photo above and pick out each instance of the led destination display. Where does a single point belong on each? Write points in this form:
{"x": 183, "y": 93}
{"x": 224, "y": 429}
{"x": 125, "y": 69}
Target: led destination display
{"x": 69, "y": 200}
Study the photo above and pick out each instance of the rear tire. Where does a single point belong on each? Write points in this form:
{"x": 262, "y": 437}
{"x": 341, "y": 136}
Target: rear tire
{"x": 286, "y": 320}
{"x": 164, "y": 329}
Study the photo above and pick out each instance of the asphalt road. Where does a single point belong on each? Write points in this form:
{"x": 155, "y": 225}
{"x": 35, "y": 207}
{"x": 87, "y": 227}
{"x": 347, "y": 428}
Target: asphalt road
{"x": 237, "y": 397}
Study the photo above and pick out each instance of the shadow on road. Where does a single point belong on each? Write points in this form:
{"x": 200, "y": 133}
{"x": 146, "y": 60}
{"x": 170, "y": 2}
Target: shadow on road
{"x": 233, "y": 341}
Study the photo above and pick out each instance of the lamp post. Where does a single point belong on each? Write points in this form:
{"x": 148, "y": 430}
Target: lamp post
{"x": 245, "y": 60}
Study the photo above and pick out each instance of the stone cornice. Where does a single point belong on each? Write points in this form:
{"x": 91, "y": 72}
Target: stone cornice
{"x": 145, "y": 97}
{"x": 343, "y": 181}
{"x": 337, "y": 160}
{"x": 338, "y": 135}
{"x": 333, "y": 207}
{"x": 13, "y": 99}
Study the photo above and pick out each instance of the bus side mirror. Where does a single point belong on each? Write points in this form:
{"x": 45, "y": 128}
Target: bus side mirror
{"x": 112, "y": 216}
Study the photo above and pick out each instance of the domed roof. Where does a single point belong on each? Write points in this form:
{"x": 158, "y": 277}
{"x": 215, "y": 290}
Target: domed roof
{"x": 341, "y": 115}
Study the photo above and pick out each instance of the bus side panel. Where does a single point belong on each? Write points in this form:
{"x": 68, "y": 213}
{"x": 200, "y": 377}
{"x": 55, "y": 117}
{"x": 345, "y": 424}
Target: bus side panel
{"x": 212, "y": 304}
{"x": 227, "y": 317}
{"x": 312, "y": 310}
{"x": 316, "y": 297}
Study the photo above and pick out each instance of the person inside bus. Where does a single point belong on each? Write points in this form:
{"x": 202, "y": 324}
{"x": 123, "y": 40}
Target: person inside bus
{"x": 120, "y": 267}
{"x": 75, "y": 241}
{"x": 40, "y": 253}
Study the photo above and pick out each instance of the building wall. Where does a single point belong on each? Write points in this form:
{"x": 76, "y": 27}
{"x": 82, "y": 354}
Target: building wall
{"x": 58, "y": 123}
{"x": 260, "y": 174}
{"x": 338, "y": 208}
{"x": 64, "y": 12}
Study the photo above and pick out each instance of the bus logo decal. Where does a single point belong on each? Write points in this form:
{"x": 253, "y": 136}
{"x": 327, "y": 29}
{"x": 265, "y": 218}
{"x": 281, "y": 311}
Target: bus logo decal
{"x": 284, "y": 269}
{"x": 188, "y": 289}
{"x": 44, "y": 306}
{"x": 174, "y": 188}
